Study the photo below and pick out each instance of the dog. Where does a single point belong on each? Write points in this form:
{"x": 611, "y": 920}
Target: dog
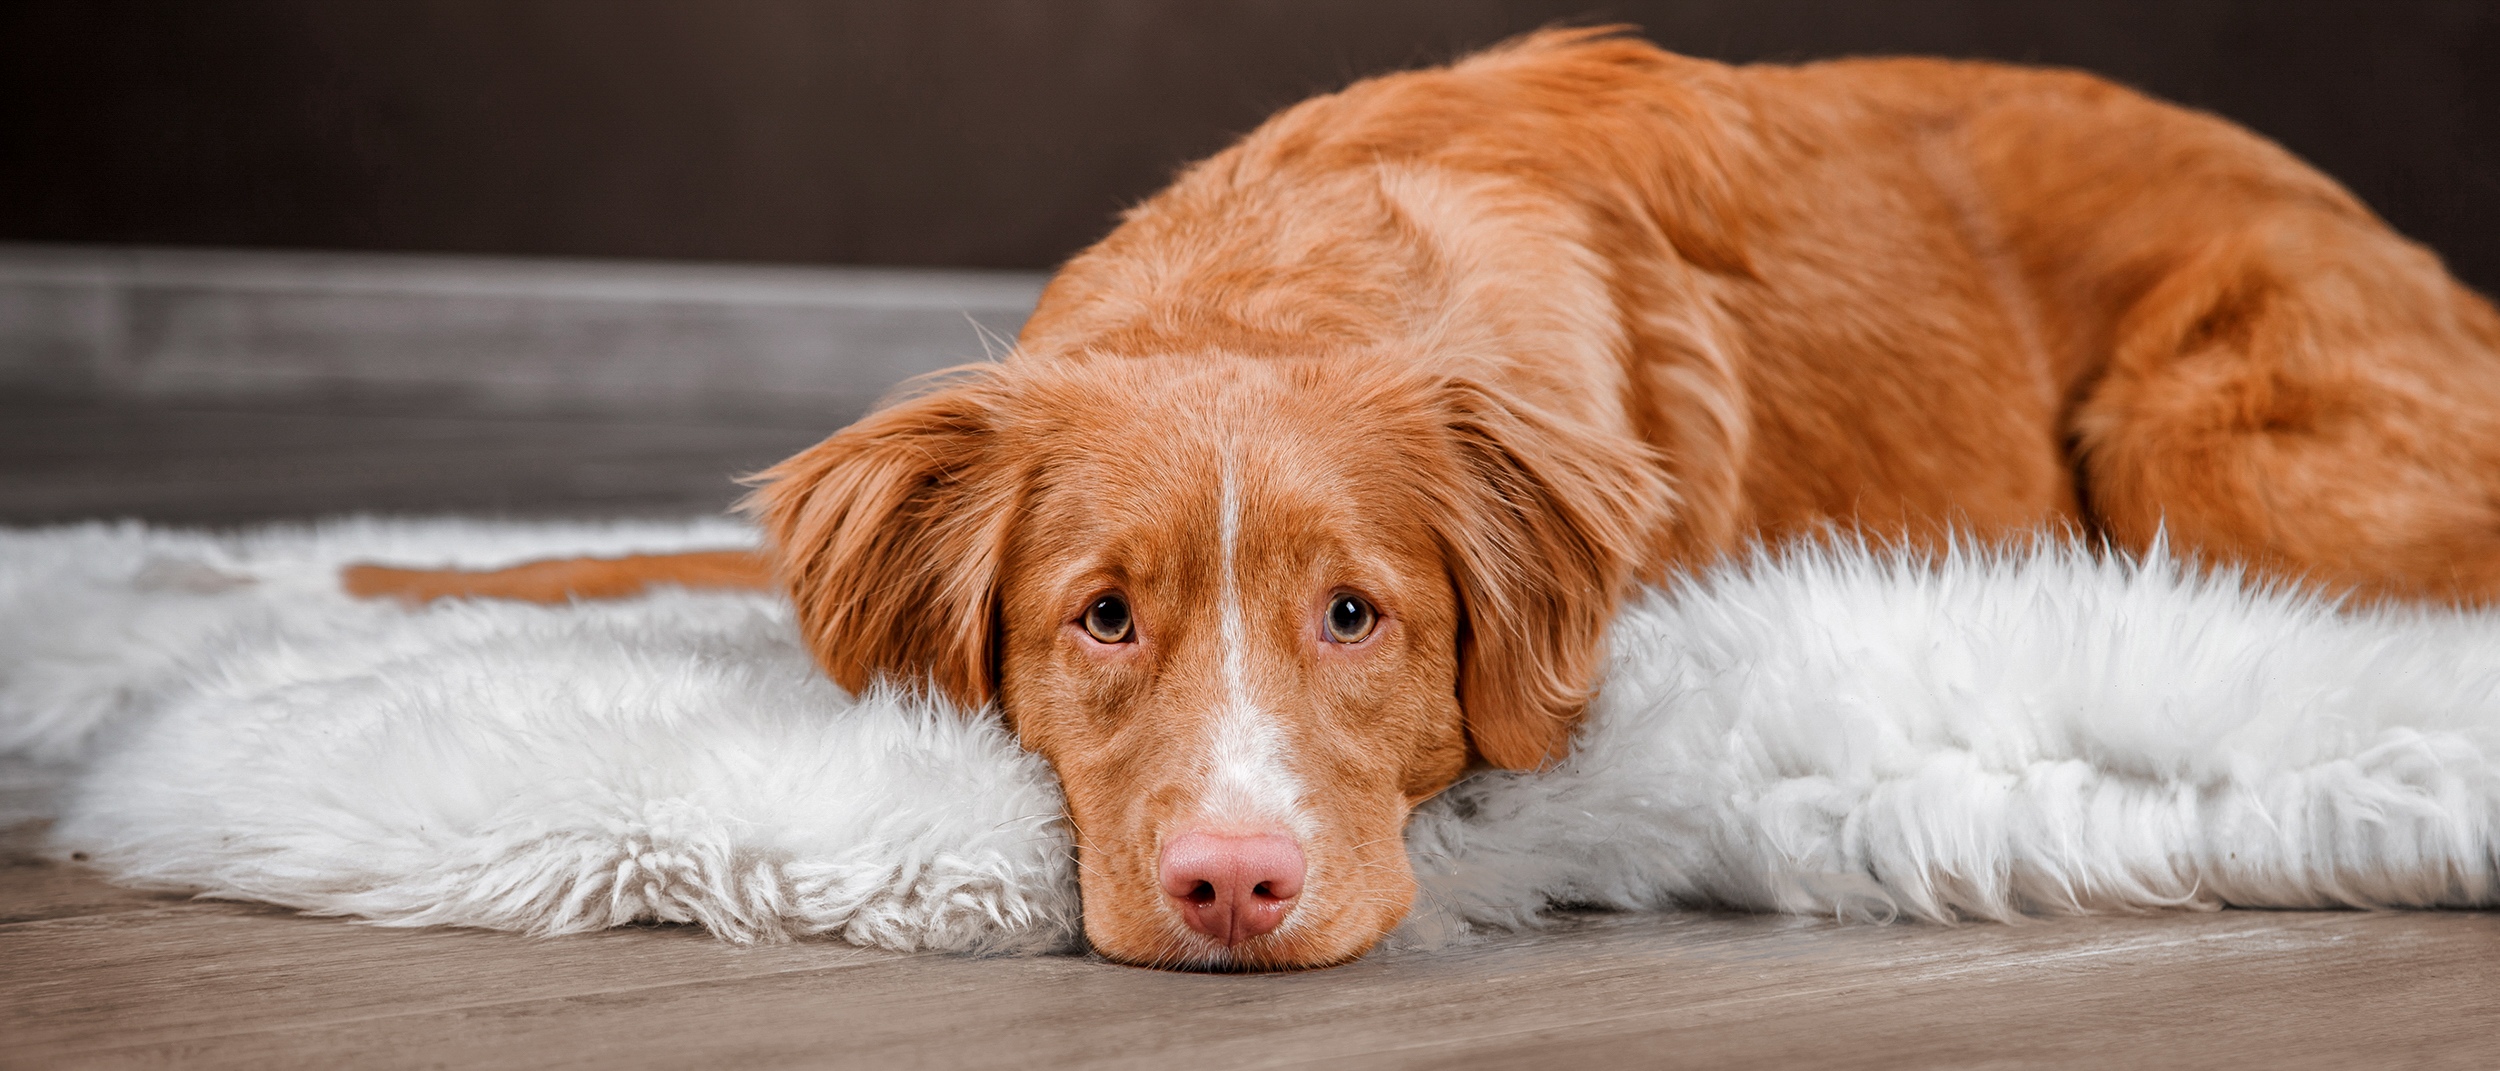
{"x": 1319, "y": 478}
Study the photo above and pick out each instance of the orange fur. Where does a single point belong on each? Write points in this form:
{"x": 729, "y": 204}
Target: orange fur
{"x": 564, "y": 579}
{"x": 1488, "y": 345}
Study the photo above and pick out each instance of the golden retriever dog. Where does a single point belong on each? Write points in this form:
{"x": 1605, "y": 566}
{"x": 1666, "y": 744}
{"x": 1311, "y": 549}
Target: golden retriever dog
{"x": 1319, "y": 479}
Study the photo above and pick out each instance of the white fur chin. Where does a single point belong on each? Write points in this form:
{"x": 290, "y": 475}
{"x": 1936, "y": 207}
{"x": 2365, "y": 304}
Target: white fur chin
{"x": 1820, "y": 732}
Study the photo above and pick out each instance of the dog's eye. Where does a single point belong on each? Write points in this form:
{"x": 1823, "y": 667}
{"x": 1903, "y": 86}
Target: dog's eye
{"x": 1350, "y": 619}
{"x": 1107, "y": 619}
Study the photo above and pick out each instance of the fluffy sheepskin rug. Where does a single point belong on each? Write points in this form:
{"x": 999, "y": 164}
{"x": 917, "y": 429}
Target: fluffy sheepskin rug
{"x": 1829, "y": 731}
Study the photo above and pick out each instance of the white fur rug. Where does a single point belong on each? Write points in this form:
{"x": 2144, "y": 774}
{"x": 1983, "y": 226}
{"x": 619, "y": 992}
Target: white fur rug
{"x": 1815, "y": 732}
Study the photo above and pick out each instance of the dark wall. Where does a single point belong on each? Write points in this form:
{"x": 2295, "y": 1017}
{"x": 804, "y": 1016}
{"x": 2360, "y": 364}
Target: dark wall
{"x": 1005, "y": 132}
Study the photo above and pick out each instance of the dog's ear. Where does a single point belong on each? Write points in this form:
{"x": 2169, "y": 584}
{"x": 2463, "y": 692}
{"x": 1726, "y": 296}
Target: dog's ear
{"x": 890, "y": 536}
{"x": 1545, "y": 531}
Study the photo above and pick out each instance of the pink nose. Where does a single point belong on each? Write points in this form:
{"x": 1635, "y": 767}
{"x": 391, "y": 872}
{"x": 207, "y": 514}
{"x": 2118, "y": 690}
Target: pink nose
{"x": 1232, "y": 888}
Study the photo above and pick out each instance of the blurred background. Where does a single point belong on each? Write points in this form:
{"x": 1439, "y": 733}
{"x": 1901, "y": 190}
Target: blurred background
{"x": 283, "y": 257}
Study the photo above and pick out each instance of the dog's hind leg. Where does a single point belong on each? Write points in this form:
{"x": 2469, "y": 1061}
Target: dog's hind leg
{"x": 2311, "y": 394}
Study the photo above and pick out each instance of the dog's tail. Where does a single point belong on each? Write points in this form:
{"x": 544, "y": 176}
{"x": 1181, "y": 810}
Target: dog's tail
{"x": 563, "y": 579}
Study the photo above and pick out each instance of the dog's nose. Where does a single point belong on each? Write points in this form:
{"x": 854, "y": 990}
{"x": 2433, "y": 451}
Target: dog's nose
{"x": 1232, "y": 888}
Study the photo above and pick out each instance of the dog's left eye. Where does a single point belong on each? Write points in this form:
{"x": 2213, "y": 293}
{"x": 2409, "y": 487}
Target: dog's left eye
{"x": 1350, "y": 619}
{"x": 1107, "y": 620}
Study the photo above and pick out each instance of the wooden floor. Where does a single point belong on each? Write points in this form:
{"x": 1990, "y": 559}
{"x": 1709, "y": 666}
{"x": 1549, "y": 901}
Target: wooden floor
{"x": 91, "y": 975}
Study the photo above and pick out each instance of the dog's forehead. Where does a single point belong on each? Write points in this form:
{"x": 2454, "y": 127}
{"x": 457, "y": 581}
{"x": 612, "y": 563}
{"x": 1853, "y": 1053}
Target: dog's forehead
{"x": 1180, "y": 431}
{"x": 1153, "y": 470}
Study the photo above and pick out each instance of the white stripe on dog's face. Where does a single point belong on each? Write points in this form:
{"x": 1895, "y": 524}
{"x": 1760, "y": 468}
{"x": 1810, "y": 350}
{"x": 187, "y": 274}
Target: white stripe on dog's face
{"x": 1248, "y": 781}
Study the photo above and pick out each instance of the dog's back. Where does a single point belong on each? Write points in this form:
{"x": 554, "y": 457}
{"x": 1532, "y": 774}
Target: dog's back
{"x": 1903, "y": 296}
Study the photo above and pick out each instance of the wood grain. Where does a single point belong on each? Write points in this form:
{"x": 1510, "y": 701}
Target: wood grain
{"x": 228, "y": 985}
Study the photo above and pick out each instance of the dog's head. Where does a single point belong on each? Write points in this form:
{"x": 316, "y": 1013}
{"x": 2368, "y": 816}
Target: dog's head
{"x": 1252, "y": 611}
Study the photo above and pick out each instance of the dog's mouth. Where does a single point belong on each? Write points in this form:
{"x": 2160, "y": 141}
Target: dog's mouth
{"x": 1177, "y": 948}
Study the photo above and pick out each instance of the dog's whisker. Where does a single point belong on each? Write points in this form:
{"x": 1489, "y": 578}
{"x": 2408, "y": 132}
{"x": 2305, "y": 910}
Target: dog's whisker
{"x": 993, "y": 346}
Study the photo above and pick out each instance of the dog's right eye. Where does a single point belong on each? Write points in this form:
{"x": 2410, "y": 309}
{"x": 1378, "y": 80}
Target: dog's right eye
{"x": 1350, "y": 619}
{"x": 1107, "y": 620}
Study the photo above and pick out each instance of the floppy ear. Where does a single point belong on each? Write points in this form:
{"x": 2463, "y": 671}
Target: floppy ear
{"x": 890, "y": 536}
{"x": 1544, "y": 533}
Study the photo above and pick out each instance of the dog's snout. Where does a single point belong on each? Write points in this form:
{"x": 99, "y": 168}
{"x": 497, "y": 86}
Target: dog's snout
{"x": 1232, "y": 888}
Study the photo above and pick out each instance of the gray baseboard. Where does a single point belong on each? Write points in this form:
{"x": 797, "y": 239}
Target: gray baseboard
{"x": 172, "y": 324}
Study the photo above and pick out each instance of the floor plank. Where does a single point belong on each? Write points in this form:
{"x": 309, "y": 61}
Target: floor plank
{"x": 172, "y": 976}
{"x": 1693, "y": 990}
{"x": 33, "y": 888}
